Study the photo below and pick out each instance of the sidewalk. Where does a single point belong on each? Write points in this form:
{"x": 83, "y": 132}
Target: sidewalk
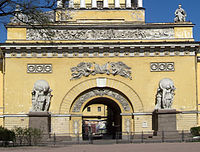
{"x": 157, "y": 147}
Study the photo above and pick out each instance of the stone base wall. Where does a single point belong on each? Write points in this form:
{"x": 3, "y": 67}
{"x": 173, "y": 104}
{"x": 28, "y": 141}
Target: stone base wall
{"x": 143, "y": 123}
{"x": 60, "y": 125}
{"x": 186, "y": 121}
{"x": 12, "y": 122}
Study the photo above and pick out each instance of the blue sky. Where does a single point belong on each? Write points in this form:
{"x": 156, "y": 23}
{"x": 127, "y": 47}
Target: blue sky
{"x": 160, "y": 11}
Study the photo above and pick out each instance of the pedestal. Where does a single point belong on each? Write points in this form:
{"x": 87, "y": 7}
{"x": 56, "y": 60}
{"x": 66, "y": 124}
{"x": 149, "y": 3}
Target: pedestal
{"x": 40, "y": 120}
{"x": 164, "y": 121}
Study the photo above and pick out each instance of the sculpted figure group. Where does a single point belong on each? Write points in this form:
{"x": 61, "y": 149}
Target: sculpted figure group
{"x": 87, "y": 68}
{"x": 165, "y": 94}
{"x": 41, "y": 96}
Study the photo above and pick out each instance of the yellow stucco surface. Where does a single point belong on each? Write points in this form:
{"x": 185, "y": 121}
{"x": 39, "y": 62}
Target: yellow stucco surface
{"x": 183, "y": 32}
{"x": 140, "y": 91}
{"x": 198, "y": 84}
{"x": 1, "y": 91}
{"x": 145, "y": 83}
{"x": 16, "y": 34}
{"x": 98, "y": 16}
{"x": 94, "y": 110}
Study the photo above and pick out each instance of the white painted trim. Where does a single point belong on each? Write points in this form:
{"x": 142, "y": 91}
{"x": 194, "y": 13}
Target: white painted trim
{"x": 126, "y": 114}
{"x": 152, "y": 46}
{"x": 190, "y": 112}
{"x": 94, "y": 4}
{"x": 82, "y": 3}
{"x": 76, "y": 115}
{"x": 128, "y": 3}
{"x": 140, "y": 3}
{"x": 52, "y": 115}
{"x": 136, "y": 114}
{"x": 105, "y": 3}
{"x": 69, "y": 115}
{"x": 117, "y": 3}
{"x": 20, "y": 115}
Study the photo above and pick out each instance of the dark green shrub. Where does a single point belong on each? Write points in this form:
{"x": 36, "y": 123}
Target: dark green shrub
{"x": 195, "y": 131}
{"x": 28, "y": 136}
{"x": 6, "y": 135}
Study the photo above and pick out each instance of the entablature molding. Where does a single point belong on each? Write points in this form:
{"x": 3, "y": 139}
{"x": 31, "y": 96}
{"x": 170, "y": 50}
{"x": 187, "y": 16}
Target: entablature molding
{"x": 97, "y": 50}
{"x": 90, "y": 46}
{"x": 128, "y": 25}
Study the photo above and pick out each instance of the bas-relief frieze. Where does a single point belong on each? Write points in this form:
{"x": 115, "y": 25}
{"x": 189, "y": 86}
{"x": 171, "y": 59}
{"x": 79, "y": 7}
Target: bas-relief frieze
{"x": 101, "y": 92}
{"x": 85, "y": 69}
{"x": 98, "y": 34}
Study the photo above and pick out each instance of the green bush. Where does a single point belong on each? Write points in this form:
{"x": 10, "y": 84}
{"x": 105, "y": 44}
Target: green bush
{"x": 28, "y": 136}
{"x": 6, "y": 135}
{"x": 195, "y": 131}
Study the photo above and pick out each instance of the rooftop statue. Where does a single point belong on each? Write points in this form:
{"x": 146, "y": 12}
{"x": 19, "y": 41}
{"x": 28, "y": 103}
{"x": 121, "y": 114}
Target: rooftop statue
{"x": 180, "y": 15}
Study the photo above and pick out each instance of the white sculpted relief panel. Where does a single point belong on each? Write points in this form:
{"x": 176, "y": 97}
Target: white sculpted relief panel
{"x": 98, "y": 34}
{"x": 85, "y": 69}
{"x": 101, "y": 92}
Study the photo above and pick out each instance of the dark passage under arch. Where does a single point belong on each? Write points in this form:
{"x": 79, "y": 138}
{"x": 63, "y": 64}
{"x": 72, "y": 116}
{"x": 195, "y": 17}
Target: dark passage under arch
{"x": 102, "y": 126}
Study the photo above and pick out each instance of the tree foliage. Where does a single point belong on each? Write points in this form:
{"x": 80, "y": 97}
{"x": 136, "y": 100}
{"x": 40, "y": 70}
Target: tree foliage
{"x": 32, "y": 9}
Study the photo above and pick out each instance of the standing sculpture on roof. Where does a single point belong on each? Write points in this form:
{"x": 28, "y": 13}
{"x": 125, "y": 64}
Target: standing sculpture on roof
{"x": 180, "y": 15}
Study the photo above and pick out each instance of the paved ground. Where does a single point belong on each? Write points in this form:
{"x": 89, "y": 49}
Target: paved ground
{"x": 158, "y": 147}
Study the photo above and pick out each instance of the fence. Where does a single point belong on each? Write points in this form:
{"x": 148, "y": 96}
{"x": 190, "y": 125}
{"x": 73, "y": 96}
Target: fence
{"x": 117, "y": 138}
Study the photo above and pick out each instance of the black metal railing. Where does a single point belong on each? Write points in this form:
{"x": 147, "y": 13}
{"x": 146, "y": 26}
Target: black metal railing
{"x": 115, "y": 138}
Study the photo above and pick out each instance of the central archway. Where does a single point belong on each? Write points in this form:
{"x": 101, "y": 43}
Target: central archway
{"x": 117, "y": 116}
{"x": 101, "y": 119}
{"x": 82, "y": 93}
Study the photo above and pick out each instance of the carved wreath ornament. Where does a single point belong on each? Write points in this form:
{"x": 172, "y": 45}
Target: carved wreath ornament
{"x": 102, "y": 93}
{"x": 85, "y": 69}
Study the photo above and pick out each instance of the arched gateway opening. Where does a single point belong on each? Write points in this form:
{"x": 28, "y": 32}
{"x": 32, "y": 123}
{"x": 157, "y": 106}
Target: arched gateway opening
{"x": 115, "y": 95}
{"x": 102, "y": 119}
{"x": 102, "y": 113}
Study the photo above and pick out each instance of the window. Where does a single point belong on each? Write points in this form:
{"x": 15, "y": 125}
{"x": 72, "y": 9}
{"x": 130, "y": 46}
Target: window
{"x": 88, "y": 109}
{"x": 100, "y": 4}
{"x": 99, "y": 109}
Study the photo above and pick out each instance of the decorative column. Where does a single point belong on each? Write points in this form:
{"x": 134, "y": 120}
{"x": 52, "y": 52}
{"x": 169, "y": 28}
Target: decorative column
{"x": 82, "y": 4}
{"x": 59, "y": 3}
{"x": 140, "y": 3}
{"x": 117, "y": 4}
{"x": 105, "y": 3}
{"x": 128, "y": 3}
{"x": 94, "y": 4}
{"x": 71, "y": 3}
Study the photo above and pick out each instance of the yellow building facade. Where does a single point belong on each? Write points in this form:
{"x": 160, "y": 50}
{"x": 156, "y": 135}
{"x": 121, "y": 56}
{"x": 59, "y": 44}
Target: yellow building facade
{"x": 97, "y": 55}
